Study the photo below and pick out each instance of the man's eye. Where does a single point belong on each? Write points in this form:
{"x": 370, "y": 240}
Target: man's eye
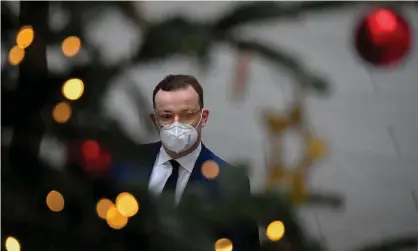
{"x": 166, "y": 116}
{"x": 188, "y": 115}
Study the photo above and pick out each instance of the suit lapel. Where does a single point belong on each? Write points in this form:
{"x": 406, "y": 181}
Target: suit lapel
{"x": 196, "y": 174}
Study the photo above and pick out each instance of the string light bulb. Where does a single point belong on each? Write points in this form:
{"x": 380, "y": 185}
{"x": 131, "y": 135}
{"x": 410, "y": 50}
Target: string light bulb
{"x": 16, "y": 55}
{"x": 73, "y": 89}
{"x": 275, "y": 231}
{"x": 126, "y": 204}
{"x": 210, "y": 169}
{"x": 61, "y": 112}
{"x": 115, "y": 219}
{"x": 25, "y": 37}
{"x": 223, "y": 244}
{"x": 103, "y": 207}
{"x": 71, "y": 46}
{"x": 12, "y": 244}
{"x": 55, "y": 201}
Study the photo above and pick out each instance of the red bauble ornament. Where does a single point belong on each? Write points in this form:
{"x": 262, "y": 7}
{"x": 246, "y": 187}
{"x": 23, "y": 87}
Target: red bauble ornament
{"x": 95, "y": 159}
{"x": 383, "y": 37}
{"x": 90, "y": 149}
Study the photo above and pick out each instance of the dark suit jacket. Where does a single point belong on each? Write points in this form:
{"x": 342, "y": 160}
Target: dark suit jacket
{"x": 243, "y": 236}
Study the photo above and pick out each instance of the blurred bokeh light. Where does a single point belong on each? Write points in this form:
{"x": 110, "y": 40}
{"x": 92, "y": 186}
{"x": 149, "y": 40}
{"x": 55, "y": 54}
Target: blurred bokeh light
{"x": 127, "y": 205}
{"x": 210, "y": 169}
{"x": 103, "y": 207}
{"x": 115, "y": 219}
{"x": 55, "y": 201}
{"x": 25, "y": 37}
{"x": 12, "y": 244}
{"x": 16, "y": 55}
{"x": 71, "y": 46}
{"x": 223, "y": 244}
{"x": 73, "y": 89}
{"x": 275, "y": 231}
{"x": 62, "y": 112}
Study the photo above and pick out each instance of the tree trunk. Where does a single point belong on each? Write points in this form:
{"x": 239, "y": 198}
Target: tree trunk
{"x": 31, "y": 94}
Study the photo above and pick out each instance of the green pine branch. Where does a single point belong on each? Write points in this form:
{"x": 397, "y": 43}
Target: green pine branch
{"x": 285, "y": 61}
{"x": 262, "y": 11}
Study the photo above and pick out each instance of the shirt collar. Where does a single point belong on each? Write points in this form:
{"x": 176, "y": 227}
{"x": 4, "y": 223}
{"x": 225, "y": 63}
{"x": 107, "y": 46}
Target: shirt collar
{"x": 187, "y": 162}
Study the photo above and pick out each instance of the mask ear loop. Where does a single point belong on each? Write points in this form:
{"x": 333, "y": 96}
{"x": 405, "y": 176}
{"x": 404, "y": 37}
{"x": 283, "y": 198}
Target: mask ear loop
{"x": 200, "y": 120}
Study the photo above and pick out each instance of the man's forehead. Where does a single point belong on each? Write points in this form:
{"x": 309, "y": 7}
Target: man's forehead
{"x": 181, "y": 98}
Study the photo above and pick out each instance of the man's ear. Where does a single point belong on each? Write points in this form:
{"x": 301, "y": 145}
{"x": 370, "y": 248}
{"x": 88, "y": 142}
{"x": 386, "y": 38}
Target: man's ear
{"x": 205, "y": 116}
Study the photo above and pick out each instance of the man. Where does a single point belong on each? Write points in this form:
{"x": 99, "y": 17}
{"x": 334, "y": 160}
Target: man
{"x": 175, "y": 162}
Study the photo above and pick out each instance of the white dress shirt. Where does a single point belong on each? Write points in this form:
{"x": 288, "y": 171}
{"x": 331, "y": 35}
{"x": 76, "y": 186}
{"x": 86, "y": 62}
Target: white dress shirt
{"x": 162, "y": 170}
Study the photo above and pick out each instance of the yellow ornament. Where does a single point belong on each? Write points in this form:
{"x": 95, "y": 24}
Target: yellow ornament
{"x": 316, "y": 148}
{"x": 295, "y": 115}
{"x": 276, "y": 124}
{"x": 299, "y": 192}
{"x": 277, "y": 172}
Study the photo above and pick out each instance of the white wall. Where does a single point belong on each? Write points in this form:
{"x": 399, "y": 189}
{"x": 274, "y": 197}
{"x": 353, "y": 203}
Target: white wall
{"x": 370, "y": 121}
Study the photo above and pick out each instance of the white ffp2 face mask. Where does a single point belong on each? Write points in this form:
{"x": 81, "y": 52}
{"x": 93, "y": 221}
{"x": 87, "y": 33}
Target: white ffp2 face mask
{"x": 179, "y": 137}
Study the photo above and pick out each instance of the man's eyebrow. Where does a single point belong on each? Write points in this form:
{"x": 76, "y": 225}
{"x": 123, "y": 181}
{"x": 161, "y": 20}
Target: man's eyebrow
{"x": 191, "y": 110}
{"x": 184, "y": 110}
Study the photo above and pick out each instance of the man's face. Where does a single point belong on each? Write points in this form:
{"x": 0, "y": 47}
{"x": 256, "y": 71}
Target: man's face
{"x": 179, "y": 106}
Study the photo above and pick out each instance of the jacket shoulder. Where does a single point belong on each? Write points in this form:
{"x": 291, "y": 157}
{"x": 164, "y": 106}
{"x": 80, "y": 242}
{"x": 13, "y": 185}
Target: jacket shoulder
{"x": 244, "y": 180}
{"x": 218, "y": 160}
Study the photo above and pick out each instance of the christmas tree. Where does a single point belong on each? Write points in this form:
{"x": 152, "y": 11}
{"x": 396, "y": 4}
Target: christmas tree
{"x": 84, "y": 209}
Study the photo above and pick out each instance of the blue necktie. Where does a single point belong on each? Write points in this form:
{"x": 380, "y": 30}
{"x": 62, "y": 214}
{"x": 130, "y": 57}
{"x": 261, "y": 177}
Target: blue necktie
{"x": 171, "y": 183}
